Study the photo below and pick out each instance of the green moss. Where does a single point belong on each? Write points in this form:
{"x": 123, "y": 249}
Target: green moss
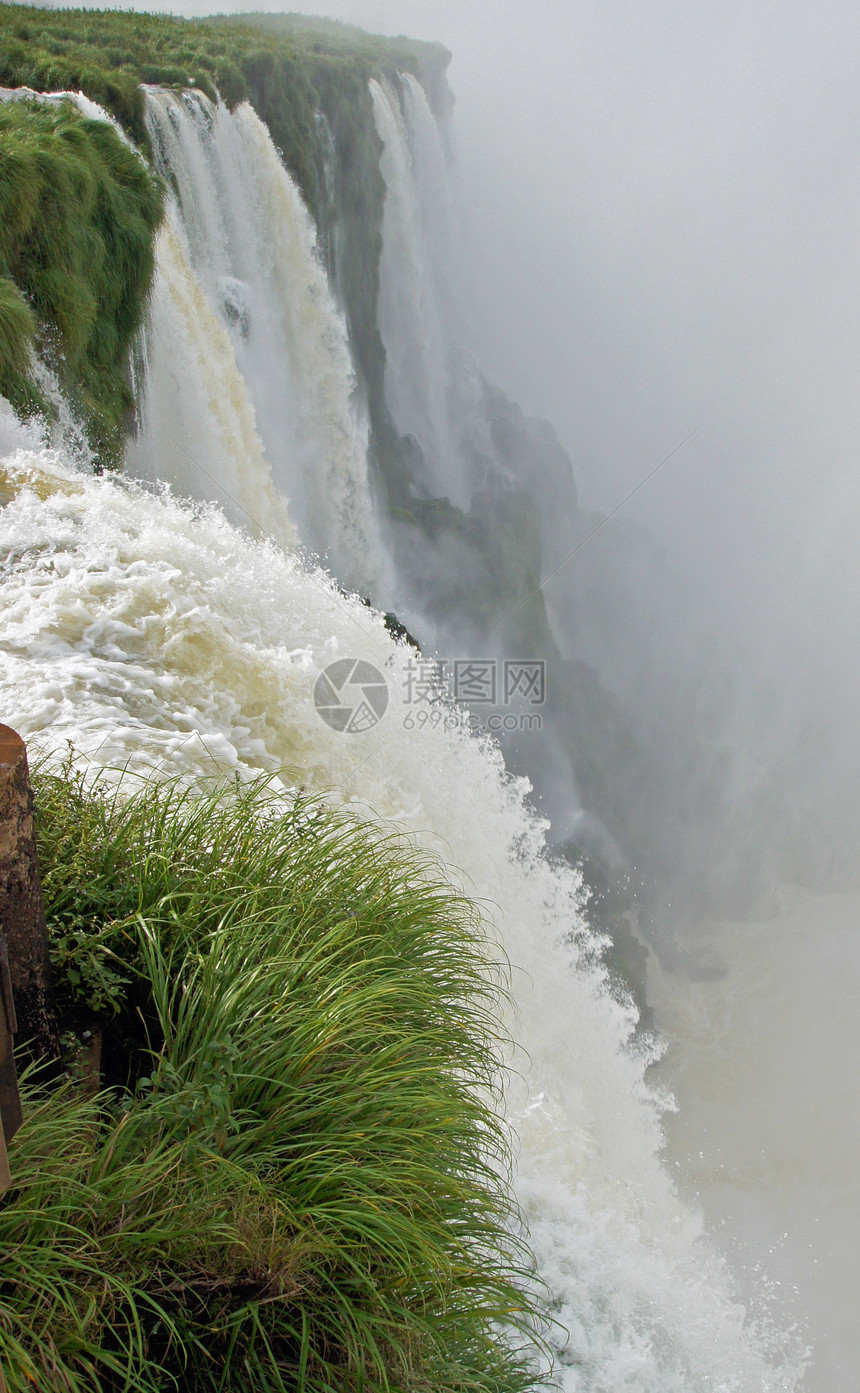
{"x": 78, "y": 211}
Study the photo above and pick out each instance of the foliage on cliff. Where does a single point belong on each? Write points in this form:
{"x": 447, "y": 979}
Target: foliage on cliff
{"x": 108, "y": 53}
{"x": 294, "y": 71}
{"x": 77, "y": 213}
{"x": 292, "y": 1175}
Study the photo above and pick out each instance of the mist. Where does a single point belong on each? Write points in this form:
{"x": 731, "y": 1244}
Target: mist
{"x": 658, "y": 251}
{"x": 658, "y": 214}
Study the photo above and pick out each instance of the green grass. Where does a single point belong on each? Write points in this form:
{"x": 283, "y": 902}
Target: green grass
{"x": 108, "y": 53}
{"x": 17, "y": 333}
{"x": 294, "y": 1177}
{"x": 291, "y": 69}
{"x": 78, "y": 210}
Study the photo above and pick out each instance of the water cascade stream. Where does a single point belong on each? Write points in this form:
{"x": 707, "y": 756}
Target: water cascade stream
{"x": 158, "y": 635}
{"x": 249, "y": 250}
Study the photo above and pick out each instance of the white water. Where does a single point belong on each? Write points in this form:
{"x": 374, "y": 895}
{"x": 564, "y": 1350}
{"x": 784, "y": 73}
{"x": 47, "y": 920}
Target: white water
{"x": 431, "y": 385}
{"x": 199, "y": 426}
{"x": 416, "y": 384}
{"x": 155, "y": 635}
{"x": 241, "y": 245}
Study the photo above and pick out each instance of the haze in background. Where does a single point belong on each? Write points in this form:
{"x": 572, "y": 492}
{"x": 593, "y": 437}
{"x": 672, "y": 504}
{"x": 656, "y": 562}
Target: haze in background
{"x": 660, "y": 237}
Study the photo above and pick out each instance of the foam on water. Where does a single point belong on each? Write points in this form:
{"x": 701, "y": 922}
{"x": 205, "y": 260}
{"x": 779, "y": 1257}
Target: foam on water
{"x": 155, "y": 635}
{"x": 251, "y": 248}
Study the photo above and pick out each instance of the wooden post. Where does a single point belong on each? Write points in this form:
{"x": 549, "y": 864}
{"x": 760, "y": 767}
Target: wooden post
{"x": 22, "y": 911}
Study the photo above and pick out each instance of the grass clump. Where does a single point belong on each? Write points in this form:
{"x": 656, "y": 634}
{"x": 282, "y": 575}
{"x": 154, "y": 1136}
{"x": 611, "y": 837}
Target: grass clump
{"x": 17, "y": 330}
{"x": 294, "y": 70}
{"x": 293, "y": 1177}
{"x": 78, "y": 211}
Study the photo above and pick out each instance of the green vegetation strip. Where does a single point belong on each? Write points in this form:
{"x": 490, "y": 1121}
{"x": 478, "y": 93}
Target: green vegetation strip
{"x": 78, "y": 210}
{"x": 294, "y": 71}
{"x": 292, "y": 1173}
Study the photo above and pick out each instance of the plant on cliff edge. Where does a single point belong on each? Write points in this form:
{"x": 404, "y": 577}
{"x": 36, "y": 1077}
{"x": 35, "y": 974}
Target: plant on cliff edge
{"x": 302, "y": 1186}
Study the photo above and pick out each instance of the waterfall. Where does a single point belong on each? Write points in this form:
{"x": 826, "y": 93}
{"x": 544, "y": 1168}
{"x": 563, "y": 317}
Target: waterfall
{"x": 413, "y": 307}
{"x": 433, "y": 385}
{"x": 250, "y": 252}
{"x": 167, "y": 635}
{"x": 156, "y": 636}
{"x": 199, "y": 426}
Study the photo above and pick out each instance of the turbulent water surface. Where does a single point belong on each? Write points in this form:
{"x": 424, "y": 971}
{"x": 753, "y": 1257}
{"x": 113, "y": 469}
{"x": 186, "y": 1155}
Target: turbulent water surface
{"x": 156, "y": 636}
{"x": 160, "y": 636}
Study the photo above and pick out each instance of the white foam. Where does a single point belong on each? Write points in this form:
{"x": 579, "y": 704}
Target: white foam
{"x": 156, "y": 636}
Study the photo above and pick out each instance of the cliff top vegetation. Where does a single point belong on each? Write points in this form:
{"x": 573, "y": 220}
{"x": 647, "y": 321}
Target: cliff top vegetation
{"x": 108, "y": 53}
{"x": 293, "y": 70}
{"x": 78, "y": 210}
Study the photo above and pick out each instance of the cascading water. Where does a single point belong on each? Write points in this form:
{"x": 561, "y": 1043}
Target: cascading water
{"x": 249, "y": 248}
{"x": 155, "y": 635}
{"x": 431, "y": 387}
{"x": 188, "y": 359}
{"x": 416, "y": 387}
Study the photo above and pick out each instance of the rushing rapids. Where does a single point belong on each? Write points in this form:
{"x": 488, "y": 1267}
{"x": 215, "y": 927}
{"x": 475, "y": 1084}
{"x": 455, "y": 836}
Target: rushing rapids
{"x": 160, "y": 637}
{"x": 156, "y": 637}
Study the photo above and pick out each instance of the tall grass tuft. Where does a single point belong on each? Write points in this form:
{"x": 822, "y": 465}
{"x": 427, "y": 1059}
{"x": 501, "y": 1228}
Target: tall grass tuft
{"x": 298, "y": 1177}
{"x": 78, "y": 210}
{"x": 17, "y": 331}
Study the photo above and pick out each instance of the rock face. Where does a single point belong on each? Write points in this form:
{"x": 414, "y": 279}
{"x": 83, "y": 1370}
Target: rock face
{"x": 22, "y": 911}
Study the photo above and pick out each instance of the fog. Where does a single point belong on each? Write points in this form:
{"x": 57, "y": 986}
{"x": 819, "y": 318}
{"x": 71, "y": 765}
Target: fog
{"x": 659, "y": 208}
{"x": 659, "y": 214}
